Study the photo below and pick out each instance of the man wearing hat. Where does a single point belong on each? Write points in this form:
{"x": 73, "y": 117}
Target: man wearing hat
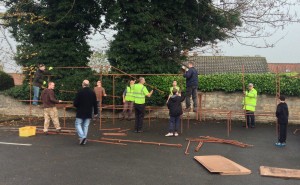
{"x": 249, "y": 104}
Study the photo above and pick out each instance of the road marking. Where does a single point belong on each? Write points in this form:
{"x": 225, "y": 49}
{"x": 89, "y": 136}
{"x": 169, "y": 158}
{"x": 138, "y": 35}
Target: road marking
{"x": 21, "y": 144}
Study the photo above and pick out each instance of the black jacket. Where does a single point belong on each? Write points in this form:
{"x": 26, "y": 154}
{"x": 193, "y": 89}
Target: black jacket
{"x": 174, "y": 105}
{"x": 191, "y": 77}
{"x": 282, "y": 113}
{"x": 38, "y": 78}
{"x": 85, "y": 101}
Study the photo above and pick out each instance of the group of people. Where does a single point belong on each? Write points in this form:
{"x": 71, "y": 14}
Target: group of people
{"x": 282, "y": 113}
{"x": 134, "y": 97}
{"x": 87, "y": 103}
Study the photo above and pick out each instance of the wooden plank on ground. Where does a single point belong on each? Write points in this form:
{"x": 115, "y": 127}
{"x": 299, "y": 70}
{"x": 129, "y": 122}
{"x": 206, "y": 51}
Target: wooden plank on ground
{"x": 279, "y": 172}
{"x": 114, "y": 134}
{"x": 222, "y": 165}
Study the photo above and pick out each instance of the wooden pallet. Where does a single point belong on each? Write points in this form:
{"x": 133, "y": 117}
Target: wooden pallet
{"x": 222, "y": 165}
{"x": 279, "y": 172}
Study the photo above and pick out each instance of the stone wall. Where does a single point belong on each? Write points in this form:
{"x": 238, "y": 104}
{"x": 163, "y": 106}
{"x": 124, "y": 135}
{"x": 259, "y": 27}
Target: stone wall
{"x": 215, "y": 105}
{"x": 10, "y": 106}
{"x": 265, "y": 109}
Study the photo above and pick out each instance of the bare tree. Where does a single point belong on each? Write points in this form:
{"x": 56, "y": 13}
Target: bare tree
{"x": 261, "y": 19}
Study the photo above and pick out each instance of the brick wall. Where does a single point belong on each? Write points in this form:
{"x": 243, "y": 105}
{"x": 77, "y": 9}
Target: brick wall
{"x": 18, "y": 78}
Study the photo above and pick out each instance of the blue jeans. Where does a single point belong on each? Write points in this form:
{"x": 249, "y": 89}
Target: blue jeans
{"x": 36, "y": 91}
{"x": 174, "y": 123}
{"x": 82, "y": 127}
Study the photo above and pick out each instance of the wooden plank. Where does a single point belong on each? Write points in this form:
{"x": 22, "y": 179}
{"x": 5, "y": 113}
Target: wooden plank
{"x": 222, "y": 165}
{"x": 279, "y": 172}
{"x": 242, "y": 170}
{"x": 114, "y": 134}
{"x": 215, "y": 163}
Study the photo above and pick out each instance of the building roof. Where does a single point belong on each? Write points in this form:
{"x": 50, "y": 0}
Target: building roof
{"x": 284, "y": 67}
{"x": 229, "y": 64}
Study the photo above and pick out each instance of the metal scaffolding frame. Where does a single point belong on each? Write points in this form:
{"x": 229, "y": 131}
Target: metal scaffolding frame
{"x": 200, "y": 114}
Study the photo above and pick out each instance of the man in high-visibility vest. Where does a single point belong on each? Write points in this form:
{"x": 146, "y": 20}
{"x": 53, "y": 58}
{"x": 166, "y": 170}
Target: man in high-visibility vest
{"x": 128, "y": 100}
{"x": 249, "y": 104}
{"x": 139, "y": 94}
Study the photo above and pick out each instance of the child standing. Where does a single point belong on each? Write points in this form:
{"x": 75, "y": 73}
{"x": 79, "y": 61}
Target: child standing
{"x": 174, "y": 86}
{"x": 282, "y": 114}
{"x": 175, "y": 111}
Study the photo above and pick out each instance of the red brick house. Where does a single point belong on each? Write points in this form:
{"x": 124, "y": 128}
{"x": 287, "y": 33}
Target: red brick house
{"x": 18, "y": 78}
{"x": 284, "y": 67}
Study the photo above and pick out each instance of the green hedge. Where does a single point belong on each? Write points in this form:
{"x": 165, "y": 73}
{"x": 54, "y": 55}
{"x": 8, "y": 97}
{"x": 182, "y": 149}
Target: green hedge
{"x": 6, "y": 81}
{"x": 264, "y": 84}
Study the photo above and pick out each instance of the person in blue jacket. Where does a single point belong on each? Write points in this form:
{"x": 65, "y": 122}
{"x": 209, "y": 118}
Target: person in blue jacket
{"x": 191, "y": 75}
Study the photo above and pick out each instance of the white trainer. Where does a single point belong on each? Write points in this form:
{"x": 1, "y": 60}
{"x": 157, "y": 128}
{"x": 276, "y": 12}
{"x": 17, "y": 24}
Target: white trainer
{"x": 176, "y": 134}
{"x": 169, "y": 134}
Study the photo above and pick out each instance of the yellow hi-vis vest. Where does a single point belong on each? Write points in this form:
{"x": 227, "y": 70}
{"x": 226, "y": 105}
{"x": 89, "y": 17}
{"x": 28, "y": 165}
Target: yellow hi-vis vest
{"x": 249, "y": 101}
{"x": 171, "y": 89}
{"x": 139, "y": 93}
{"x": 129, "y": 93}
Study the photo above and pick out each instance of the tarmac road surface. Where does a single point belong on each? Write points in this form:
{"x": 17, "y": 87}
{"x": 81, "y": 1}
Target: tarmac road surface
{"x": 59, "y": 160}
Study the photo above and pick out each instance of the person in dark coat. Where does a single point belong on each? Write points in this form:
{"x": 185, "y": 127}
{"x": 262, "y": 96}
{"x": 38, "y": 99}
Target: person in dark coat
{"x": 282, "y": 114}
{"x": 175, "y": 111}
{"x": 86, "y": 103}
{"x": 191, "y": 76}
{"x": 37, "y": 82}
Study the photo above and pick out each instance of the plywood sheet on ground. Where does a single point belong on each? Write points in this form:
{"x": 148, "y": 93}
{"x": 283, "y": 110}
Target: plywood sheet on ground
{"x": 222, "y": 165}
{"x": 279, "y": 172}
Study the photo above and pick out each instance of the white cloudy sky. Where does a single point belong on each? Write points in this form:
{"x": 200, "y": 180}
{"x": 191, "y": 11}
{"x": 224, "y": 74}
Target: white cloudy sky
{"x": 286, "y": 49}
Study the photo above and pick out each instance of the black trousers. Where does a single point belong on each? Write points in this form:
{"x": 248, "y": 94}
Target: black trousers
{"x": 191, "y": 91}
{"x": 250, "y": 118}
{"x": 282, "y": 128}
{"x": 139, "y": 110}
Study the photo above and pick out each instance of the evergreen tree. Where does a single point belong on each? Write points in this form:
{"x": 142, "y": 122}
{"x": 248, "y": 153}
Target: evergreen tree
{"x": 153, "y": 33}
{"x": 53, "y": 32}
